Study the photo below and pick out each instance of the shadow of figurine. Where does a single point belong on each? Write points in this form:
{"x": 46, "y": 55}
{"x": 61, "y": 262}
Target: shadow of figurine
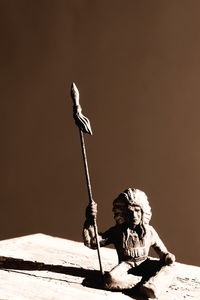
{"x": 10, "y": 263}
{"x": 91, "y": 278}
{"x": 132, "y": 237}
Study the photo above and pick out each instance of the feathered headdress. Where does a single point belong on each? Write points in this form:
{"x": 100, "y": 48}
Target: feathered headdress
{"x": 131, "y": 197}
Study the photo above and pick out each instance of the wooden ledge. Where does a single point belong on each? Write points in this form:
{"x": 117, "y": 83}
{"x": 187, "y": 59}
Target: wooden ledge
{"x": 43, "y": 267}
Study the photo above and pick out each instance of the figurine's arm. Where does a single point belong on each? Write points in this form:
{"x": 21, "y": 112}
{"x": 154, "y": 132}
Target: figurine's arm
{"x": 88, "y": 229}
{"x": 159, "y": 247}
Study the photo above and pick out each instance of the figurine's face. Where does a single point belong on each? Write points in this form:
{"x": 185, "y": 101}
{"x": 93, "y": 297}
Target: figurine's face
{"x": 133, "y": 215}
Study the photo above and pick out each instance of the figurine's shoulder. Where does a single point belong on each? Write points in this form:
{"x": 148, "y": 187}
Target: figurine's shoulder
{"x": 150, "y": 230}
{"x": 114, "y": 230}
{"x": 109, "y": 231}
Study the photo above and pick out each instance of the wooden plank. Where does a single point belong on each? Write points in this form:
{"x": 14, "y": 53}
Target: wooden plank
{"x": 44, "y": 267}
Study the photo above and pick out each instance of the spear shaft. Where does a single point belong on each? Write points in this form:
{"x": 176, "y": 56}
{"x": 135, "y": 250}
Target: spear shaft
{"x": 84, "y": 126}
{"x": 90, "y": 196}
{"x": 87, "y": 175}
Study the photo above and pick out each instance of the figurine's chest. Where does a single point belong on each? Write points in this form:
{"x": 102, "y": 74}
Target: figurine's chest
{"x": 131, "y": 240}
{"x": 132, "y": 246}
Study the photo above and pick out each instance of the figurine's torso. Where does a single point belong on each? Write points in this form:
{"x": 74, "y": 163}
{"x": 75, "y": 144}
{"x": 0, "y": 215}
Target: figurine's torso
{"x": 128, "y": 244}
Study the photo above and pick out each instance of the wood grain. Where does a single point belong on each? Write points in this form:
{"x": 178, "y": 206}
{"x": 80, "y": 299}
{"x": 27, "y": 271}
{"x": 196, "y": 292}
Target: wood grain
{"x": 44, "y": 267}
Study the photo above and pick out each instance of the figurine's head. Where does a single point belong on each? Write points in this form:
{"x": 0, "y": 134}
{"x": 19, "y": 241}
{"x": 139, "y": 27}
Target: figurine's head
{"x": 132, "y": 206}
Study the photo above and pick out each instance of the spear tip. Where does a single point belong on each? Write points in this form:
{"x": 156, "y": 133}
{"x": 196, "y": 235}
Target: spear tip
{"x": 81, "y": 121}
{"x": 73, "y": 85}
{"x": 75, "y": 94}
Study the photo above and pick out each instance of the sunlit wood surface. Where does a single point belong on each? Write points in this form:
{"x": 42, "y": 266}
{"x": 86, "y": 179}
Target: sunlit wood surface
{"x": 44, "y": 267}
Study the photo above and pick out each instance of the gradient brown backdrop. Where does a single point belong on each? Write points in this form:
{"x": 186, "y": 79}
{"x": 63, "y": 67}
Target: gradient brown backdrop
{"x": 137, "y": 66}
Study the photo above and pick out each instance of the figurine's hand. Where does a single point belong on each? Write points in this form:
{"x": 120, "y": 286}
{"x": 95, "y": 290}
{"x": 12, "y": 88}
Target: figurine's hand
{"x": 91, "y": 211}
{"x": 169, "y": 258}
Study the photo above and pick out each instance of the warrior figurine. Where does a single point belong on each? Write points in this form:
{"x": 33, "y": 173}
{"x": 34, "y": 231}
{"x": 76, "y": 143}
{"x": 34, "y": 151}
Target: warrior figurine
{"x": 132, "y": 237}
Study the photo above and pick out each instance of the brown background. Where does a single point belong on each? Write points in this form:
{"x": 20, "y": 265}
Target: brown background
{"x": 137, "y": 66}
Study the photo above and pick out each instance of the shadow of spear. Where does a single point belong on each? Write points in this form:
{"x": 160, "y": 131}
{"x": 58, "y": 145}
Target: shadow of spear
{"x": 84, "y": 127}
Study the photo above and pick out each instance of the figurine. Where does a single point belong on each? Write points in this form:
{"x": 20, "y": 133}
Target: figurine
{"x": 132, "y": 237}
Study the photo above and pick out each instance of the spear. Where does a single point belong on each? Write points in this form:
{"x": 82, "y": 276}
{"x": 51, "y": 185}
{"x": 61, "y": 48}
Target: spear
{"x": 84, "y": 127}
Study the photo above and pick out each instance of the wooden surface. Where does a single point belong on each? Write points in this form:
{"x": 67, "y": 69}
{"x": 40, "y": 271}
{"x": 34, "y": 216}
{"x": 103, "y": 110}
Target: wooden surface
{"x": 43, "y": 267}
